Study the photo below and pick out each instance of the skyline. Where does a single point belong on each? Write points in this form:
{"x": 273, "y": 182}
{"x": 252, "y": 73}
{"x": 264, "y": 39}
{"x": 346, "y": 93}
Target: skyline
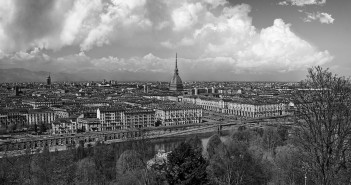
{"x": 215, "y": 40}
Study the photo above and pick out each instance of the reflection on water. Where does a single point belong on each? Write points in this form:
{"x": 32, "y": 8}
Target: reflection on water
{"x": 148, "y": 148}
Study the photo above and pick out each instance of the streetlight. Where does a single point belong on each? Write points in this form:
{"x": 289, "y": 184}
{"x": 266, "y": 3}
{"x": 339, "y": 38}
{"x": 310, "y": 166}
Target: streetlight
{"x": 305, "y": 168}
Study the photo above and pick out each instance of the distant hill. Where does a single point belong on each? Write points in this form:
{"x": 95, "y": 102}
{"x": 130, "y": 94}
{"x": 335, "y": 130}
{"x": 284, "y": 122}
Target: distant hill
{"x": 24, "y": 75}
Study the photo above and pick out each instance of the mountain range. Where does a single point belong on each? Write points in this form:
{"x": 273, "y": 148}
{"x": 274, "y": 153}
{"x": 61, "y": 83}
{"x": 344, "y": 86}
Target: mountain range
{"x": 25, "y": 75}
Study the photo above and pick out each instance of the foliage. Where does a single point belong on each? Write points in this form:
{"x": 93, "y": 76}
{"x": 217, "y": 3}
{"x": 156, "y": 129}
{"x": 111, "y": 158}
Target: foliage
{"x": 186, "y": 166}
{"x": 195, "y": 142}
{"x": 289, "y": 168}
{"x": 130, "y": 160}
{"x": 212, "y": 145}
{"x": 283, "y": 132}
{"x": 234, "y": 164}
{"x": 242, "y": 135}
{"x": 86, "y": 172}
{"x": 270, "y": 139}
{"x": 43, "y": 127}
{"x": 102, "y": 157}
{"x": 12, "y": 127}
{"x": 41, "y": 168}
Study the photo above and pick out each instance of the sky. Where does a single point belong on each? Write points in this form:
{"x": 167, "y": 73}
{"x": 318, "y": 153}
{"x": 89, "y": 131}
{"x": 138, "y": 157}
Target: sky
{"x": 234, "y": 40}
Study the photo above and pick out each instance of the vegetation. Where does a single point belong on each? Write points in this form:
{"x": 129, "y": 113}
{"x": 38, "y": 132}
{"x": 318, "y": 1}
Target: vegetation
{"x": 323, "y": 119}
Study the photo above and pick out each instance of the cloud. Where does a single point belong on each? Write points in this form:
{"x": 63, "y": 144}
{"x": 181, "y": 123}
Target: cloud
{"x": 209, "y": 36}
{"x": 52, "y": 24}
{"x": 302, "y": 2}
{"x": 232, "y": 37}
{"x": 323, "y": 18}
{"x": 186, "y": 15}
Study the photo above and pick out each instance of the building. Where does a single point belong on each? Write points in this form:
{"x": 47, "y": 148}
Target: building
{"x": 118, "y": 118}
{"x": 36, "y": 103}
{"x": 138, "y": 118}
{"x": 176, "y": 83}
{"x": 178, "y": 114}
{"x": 64, "y": 126}
{"x": 39, "y": 116}
{"x": 90, "y": 124}
{"x": 256, "y": 109}
{"x": 48, "y": 80}
{"x": 240, "y": 108}
{"x": 12, "y": 117}
{"x": 110, "y": 117}
{"x": 60, "y": 112}
{"x": 212, "y": 104}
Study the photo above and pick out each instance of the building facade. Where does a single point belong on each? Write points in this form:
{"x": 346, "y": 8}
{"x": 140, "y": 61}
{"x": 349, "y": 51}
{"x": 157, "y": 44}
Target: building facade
{"x": 64, "y": 126}
{"x": 138, "y": 118}
{"x": 40, "y": 116}
{"x": 111, "y": 118}
{"x": 90, "y": 124}
{"x": 175, "y": 114}
{"x": 250, "y": 109}
{"x": 36, "y": 103}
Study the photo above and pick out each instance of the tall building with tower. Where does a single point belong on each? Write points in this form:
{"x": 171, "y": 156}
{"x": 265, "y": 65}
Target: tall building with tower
{"x": 48, "y": 80}
{"x": 176, "y": 83}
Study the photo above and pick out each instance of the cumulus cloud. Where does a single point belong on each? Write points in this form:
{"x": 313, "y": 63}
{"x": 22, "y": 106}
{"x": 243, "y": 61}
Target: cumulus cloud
{"x": 52, "y": 24}
{"x": 322, "y": 17}
{"x": 209, "y": 36}
{"x": 302, "y": 2}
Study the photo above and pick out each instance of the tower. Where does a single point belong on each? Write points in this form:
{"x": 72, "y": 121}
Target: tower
{"x": 176, "y": 83}
{"x": 48, "y": 80}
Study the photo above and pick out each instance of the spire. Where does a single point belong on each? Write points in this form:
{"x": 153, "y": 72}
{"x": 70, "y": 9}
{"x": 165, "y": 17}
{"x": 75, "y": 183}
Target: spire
{"x": 176, "y": 62}
{"x": 176, "y": 66}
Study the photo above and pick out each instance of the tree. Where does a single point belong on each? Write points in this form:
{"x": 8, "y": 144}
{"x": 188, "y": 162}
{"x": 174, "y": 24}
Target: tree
{"x": 42, "y": 168}
{"x": 283, "y": 132}
{"x": 158, "y": 123}
{"x": 42, "y": 127}
{"x": 186, "y": 166}
{"x": 288, "y": 165}
{"x": 63, "y": 167}
{"x": 270, "y": 139}
{"x": 129, "y": 160}
{"x": 195, "y": 142}
{"x": 233, "y": 164}
{"x": 104, "y": 158}
{"x": 242, "y": 135}
{"x": 85, "y": 173}
{"x": 212, "y": 145}
{"x": 323, "y": 119}
{"x": 9, "y": 170}
{"x": 12, "y": 127}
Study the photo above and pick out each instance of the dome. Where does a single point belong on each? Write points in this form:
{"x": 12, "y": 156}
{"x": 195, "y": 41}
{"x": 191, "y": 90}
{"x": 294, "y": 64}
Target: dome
{"x": 176, "y": 79}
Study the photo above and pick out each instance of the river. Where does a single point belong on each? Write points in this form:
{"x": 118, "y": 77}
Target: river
{"x": 166, "y": 144}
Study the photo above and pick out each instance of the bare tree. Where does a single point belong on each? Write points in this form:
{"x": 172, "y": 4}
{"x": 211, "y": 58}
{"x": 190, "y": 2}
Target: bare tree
{"x": 323, "y": 118}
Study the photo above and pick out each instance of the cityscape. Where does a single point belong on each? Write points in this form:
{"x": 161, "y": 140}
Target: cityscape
{"x": 162, "y": 92}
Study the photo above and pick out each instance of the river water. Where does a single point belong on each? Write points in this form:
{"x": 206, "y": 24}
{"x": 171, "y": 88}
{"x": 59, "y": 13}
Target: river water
{"x": 150, "y": 147}
{"x": 168, "y": 144}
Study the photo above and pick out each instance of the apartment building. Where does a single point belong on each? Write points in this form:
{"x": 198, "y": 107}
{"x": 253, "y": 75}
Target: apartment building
{"x": 111, "y": 118}
{"x": 138, "y": 118}
{"x": 178, "y": 114}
